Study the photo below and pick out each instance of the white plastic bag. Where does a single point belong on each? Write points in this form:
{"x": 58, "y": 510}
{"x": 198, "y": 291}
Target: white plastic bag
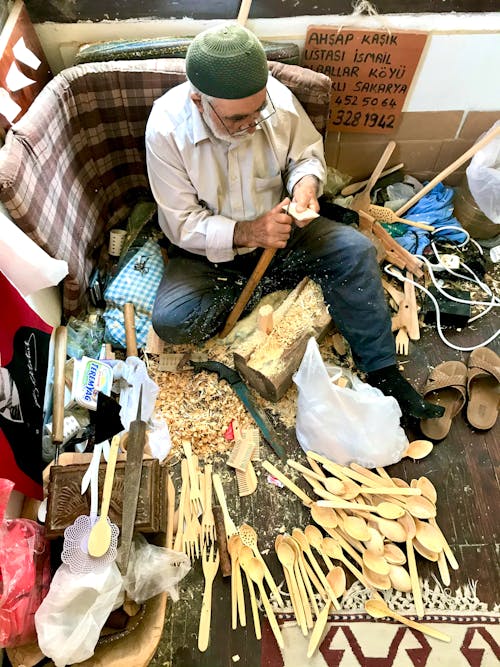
{"x": 483, "y": 177}
{"x": 152, "y": 570}
{"x": 70, "y": 619}
{"x": 346, "y": 425}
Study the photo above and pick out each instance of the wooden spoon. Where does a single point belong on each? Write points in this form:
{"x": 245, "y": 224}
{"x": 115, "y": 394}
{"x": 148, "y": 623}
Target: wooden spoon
{"x": 355, "y": 526}
{"x": 301, "y": 539}
{"x": 409, "y": 525}
{"x": 376, "y": 542}
{"x": 428, "y": 536}
{"x": 322, "y": 516}
{"x": 375, "y": 563}
{"x": 256, "y": 572}
{"x": 379, "y": 609}
{"x": 433, "y": 556}
{"x": 385, "y": 509}
{"x": 100, "y": 535}
{"x": 418, "y": 449}
{"x": 249, "y": 538}
{"x": 336, "y": 579}
{"x": 427, "y": 488}
{"x": 286, "y": 556}
{"x": 304, "y": 572}
{"x": 245, "y": 556}
{"x": 393, "y": 554}
{"x": 331, "y": 484}
{"x": 377, "y": 581}
{"x": 234, "y": 546}
{"x": 400, "y": 579}
{"x": 332, "y": 549}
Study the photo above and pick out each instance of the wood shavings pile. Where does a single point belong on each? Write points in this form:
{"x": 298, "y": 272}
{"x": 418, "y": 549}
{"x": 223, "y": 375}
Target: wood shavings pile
{"x": 199, "y": 408}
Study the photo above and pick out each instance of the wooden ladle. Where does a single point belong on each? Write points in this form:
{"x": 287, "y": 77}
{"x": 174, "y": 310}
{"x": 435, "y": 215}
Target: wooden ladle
{"x": 379, "y": 609}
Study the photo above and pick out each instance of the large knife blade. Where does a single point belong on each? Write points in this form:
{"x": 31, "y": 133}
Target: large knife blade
{"x": 241, "y": 390}
{"x": 131, "y": 483}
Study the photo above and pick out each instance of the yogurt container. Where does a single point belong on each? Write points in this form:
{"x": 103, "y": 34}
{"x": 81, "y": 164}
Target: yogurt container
{"x": 91, "y": 377}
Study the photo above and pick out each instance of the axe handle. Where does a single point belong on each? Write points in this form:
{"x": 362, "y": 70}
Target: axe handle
{"x": 253, "y": 281}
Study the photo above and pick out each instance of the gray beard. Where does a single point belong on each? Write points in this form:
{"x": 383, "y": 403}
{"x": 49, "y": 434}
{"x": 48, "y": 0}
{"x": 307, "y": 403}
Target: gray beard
{"x": 222, "y": 135}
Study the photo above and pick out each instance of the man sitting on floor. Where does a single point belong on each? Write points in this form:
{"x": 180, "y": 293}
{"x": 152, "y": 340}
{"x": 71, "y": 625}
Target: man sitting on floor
{"x": 225, "y": 153}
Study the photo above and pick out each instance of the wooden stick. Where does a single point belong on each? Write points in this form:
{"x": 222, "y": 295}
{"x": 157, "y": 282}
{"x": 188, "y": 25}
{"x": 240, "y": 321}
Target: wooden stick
{"x": 244, "y": 11}
{"x": 265, "y": 319}
{"x": 220, "y": 531}
{"x": 449, "y": 170}
{"x": 129, "y": 320}
{"x": 261, "y": 267}
{"x": 354, "y": 187}
{"x": 60, "y": 344}
{"x": 288, "y": 483}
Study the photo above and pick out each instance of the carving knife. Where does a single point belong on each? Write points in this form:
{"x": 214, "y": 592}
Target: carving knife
{"x": 131, "y": 483}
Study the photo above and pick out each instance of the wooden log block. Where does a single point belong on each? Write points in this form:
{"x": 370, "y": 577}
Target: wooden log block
{"x": 268, "y": 361}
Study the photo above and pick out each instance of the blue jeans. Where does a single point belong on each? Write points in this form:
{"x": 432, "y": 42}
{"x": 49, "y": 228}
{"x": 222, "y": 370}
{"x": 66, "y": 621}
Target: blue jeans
{"x": 195, "y": 296}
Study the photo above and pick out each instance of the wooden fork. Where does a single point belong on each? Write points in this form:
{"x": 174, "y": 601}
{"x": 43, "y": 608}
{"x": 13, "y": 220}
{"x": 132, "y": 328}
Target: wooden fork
{"x": 402, "y": 342}
{"x": 210, "y": 564}
{"x": 207, "y": 520}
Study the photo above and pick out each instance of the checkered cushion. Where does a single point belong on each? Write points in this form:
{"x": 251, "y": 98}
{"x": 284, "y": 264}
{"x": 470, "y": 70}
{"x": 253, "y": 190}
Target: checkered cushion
{"x": 74, "y": 166}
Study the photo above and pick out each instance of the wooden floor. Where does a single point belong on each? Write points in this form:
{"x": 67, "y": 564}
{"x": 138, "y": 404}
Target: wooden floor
{"x": 463, "y": 467}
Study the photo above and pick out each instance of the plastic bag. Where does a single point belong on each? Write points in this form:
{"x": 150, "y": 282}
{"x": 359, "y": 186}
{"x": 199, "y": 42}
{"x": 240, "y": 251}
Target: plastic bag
{"x": 345, "y": 425}
{"x": 70, "y": 619}
{"x": 483, "y": 177}
{"x": 153, "y": 570}
{"x": 24, "y": 574}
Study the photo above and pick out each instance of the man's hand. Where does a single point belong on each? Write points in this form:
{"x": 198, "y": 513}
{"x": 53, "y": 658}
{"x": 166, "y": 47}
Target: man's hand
{"x": 271, "y": 230}
{"x": 305, "y": 195}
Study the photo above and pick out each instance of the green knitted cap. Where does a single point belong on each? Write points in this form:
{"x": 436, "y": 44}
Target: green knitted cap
{"x": 227, "y": 62}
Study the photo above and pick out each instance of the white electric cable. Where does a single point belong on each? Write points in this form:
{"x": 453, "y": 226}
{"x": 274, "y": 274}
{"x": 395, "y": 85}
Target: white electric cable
{"x": 399, "y": 276}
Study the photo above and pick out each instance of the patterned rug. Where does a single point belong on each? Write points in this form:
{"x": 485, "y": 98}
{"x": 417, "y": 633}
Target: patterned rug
{"x": 353, "y": 639}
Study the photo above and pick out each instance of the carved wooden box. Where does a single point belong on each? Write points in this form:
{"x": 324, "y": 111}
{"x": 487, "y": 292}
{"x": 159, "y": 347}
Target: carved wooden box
{"x": 65, "y": 502}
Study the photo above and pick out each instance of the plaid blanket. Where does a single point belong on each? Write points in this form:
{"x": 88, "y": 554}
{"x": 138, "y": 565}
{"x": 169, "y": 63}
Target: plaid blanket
{"x": 74, "y": 166}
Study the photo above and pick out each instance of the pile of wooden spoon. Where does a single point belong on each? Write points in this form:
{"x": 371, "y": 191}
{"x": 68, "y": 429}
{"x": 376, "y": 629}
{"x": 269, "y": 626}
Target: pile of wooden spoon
{"x": 375, "y": 524}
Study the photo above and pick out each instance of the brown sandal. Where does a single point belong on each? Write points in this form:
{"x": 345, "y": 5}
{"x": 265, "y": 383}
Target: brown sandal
{"x": 446, "y": 386}
{"x": 483, "y": 388}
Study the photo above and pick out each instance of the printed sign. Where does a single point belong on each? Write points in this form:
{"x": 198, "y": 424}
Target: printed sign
{"x": 371, "y": 73}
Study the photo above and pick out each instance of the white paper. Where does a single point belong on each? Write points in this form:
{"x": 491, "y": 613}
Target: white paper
{"x": 24, "y": 55}
{"x": 15, "y": 79}
{"x": 25, "y": 264}
{"x": 8, "y": 107}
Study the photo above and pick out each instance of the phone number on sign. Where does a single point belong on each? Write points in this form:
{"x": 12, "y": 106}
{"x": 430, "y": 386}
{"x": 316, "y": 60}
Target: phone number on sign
{"x": 354, "y": 119}
{"x": 366, "y": 101}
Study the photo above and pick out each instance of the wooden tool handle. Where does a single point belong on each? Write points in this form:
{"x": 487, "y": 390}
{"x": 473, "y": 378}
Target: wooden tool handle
{"x": 261, "y": 267}
{"x": 130, "y": 338}
{"x": 379, "y": 167}
{"x": 60, "y": 343}
{"x": 220, "y": 532}
{"x": 244, "y": 11}
{"x": 449, "y": 170}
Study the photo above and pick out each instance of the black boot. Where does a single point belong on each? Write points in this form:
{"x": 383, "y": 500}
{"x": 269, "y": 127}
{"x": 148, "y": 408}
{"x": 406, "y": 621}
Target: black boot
{"x": 391, "y": 383}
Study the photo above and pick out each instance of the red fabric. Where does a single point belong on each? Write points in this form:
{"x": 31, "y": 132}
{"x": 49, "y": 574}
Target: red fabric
{"x": 24, "y": 345}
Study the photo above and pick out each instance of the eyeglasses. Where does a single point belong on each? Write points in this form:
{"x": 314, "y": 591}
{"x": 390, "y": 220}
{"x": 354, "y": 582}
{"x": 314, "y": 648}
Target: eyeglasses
{"x": 261, "y": 116}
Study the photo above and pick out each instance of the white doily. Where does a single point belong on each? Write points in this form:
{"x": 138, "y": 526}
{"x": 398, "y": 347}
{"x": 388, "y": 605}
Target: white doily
{"x": 75, "y": 548}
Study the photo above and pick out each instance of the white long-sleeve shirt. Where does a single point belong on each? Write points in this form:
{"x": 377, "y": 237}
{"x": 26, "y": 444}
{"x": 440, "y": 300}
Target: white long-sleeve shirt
{"x": 203, "y": 185}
